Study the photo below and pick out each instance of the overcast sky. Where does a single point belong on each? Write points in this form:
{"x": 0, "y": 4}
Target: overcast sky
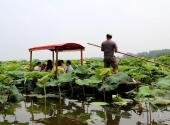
{"x": 136, "y": 25}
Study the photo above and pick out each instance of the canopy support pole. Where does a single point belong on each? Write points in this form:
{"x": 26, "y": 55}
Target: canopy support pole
{"x": 56, "y": 63}
{"x": 81, "y": 54}
{"x": 53, "y": 58}
{"x": 30, "y": 61}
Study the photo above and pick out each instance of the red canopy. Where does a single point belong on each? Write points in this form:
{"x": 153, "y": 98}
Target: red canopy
{"x": 60, "y": 47}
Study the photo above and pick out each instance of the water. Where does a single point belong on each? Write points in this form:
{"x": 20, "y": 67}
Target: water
{"x": 73, "y": 112}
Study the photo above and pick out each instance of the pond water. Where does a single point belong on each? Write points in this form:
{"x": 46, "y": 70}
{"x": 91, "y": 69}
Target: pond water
{"x": 73, "y": 112}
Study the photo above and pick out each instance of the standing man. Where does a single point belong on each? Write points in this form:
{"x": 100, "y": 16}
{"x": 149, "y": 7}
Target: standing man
{"x": 109, "y": 47}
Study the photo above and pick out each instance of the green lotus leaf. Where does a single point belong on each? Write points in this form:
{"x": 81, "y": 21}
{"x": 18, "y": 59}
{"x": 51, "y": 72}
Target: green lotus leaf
{"x": 164, "y": 83}
{"x": 99, "y": 103}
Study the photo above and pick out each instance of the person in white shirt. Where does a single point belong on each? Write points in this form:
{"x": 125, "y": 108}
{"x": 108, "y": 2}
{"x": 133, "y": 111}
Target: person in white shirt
{"x": 38, "y": 67}
{"x": 69, "y": 67}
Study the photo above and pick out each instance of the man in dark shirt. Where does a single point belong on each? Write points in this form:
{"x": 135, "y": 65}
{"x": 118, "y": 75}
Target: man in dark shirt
{"x": 109, "y": 47}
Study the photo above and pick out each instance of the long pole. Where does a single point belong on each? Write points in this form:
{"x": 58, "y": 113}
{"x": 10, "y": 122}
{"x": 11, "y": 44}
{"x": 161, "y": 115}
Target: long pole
{"x": 133, "y": 56}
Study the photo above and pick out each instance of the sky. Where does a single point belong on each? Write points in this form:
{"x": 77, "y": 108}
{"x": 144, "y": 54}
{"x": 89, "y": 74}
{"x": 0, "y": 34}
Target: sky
{"x": 136, "y": 26}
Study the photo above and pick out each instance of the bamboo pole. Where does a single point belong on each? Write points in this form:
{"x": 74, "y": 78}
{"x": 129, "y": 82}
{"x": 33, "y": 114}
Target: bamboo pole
{"x": 135, "y": 57}
{"x": 30, "y": 68}
{"x": 81, "y": 56}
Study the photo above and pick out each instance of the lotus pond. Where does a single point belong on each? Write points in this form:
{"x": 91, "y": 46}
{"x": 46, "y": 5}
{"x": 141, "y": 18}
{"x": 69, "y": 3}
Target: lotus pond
{"x": 91, "y": 95}
{"x": 73, "y": 112}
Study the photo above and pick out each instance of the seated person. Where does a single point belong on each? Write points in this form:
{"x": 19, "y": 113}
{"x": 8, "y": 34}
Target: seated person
{"x": 60, "y": 68}
{"x": 69, "y": 66}
{"x": 49, "y": 66}
{"x": 63, "y": 64}
{"x": 37, "y": 67}
{"x": 43, "y": 67}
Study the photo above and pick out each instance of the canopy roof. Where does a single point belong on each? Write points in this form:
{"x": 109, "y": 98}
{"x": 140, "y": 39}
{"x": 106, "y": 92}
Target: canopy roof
{"x": 60, "y": 47}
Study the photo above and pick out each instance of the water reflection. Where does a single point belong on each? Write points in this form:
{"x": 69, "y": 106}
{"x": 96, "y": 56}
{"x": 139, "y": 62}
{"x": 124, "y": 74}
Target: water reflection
{"x": 73, "y": 112}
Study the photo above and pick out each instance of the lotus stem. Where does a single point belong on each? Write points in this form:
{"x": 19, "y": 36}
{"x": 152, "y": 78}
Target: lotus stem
{"x": 84, "y": 94}
{"x": 71, "y": 89}
{"x": 59, "y": 93}
{"x": 104, "y": 95}
{"x": 150, "y": 111}
{"x": 45, "y": 106}
{"x": 147, "y": 113}
{"x": 45, "y": 94}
